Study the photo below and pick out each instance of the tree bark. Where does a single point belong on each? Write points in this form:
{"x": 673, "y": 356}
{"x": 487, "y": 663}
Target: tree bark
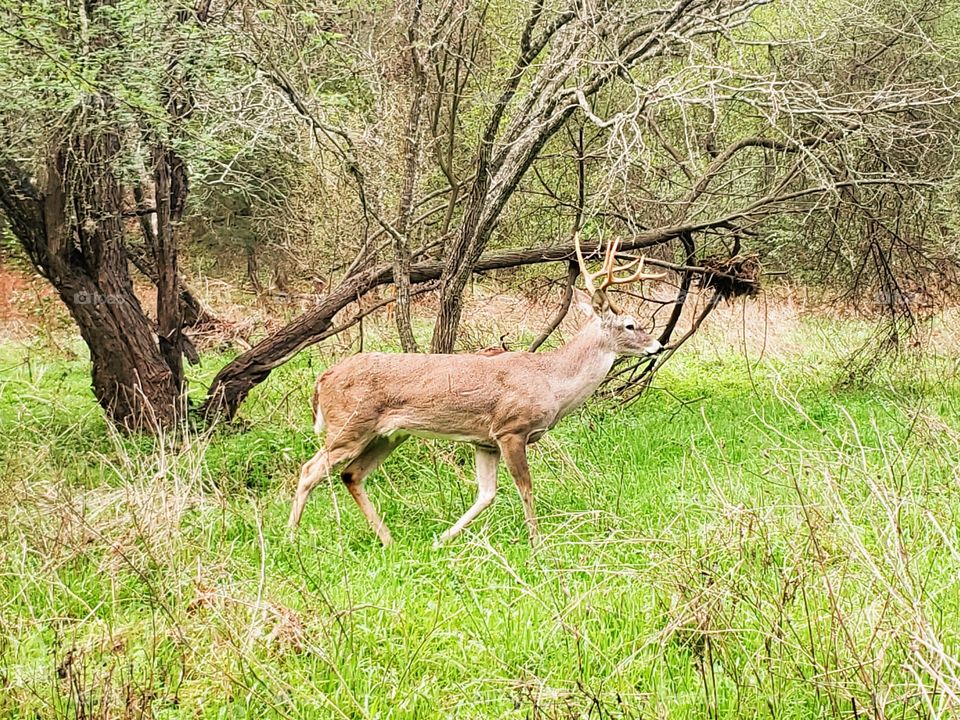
{"x": 411, "y": 153}
{"x": 167, "y": 172}
{"x": 74, "y": 235}
{"x": 143, "y": 256}
{"x": 194, "y": 313}
{"x": 458, "y": 266}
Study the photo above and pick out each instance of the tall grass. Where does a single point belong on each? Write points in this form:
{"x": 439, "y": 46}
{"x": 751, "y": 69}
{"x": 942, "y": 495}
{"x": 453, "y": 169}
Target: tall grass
{"x": 745, "y": 541}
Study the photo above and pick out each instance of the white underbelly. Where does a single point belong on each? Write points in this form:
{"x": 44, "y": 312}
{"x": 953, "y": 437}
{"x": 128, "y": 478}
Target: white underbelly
{"x": 435, "y": 435}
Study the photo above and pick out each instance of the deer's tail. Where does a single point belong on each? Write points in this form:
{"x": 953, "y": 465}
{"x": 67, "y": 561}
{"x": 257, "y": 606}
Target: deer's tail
{"x": 317, "y": 412}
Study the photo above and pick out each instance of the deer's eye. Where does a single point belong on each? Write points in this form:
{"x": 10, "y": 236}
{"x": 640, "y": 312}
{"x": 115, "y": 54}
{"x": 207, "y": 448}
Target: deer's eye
{"x": 629, "y": 326}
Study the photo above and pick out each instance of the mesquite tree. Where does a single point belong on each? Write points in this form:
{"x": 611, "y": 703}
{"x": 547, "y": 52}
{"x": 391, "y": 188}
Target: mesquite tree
{"x": 106, "y": 166}
{"x": 72, "y": 228}
{"x": 419, "y": 143}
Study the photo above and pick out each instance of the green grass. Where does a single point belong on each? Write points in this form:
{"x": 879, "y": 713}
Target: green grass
{"x": 744, "y": 541}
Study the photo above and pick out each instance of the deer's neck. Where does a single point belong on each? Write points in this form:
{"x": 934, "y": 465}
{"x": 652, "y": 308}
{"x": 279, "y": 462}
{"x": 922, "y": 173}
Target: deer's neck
{"x": 576, "y": 369}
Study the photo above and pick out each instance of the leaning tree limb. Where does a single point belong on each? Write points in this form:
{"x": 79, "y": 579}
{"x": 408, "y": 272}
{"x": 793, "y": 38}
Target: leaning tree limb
{"x": 232, "y": 384}
{"x": 573, "y": 270}
{"x": 234, "y": 381}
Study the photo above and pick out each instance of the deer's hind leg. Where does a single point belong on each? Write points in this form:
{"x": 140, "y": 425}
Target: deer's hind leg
{"x": 357, "y": 471}
{"x": 316, "y": 469}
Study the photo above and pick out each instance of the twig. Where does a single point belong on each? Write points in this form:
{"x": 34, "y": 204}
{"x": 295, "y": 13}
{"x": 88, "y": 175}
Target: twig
{"x": 573, "y": 270}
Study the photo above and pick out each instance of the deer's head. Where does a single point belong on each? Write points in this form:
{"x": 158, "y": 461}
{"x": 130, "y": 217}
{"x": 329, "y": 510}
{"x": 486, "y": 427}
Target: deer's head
{"x": 622, "y": 330}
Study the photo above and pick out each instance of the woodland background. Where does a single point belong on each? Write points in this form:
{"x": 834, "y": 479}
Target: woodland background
{"x": 333, "y": 149}
{"x": 204, "y": 203}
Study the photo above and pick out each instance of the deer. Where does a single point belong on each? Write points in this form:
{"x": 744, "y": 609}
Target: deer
{"x": 500, "y": 403}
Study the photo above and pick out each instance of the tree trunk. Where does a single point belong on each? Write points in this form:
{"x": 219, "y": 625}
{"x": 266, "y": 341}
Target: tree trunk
{"x": 143, "y": 256}
{"x": 448, "y": 318}
{"x": 131, "y": 381}
{"x": 169, "y": 177}
{"x": 411, "y": 159}
{"x": 488, "y": 197}
{"x": 195, "y": 314}
{"x": 74, "y": 235}
{"x": 459, "y": 265}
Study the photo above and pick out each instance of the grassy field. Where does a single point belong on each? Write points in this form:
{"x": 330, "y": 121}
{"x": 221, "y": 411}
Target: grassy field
{"x": 747, "y": 540}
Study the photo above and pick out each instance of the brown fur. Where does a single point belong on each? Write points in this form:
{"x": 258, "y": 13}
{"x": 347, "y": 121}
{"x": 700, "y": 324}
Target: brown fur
{"x": 498, "y": 401}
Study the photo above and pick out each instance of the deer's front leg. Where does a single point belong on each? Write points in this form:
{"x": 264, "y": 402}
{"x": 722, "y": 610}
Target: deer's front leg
{"x": 487, "y": 460}
{"x": 514, "y": 449}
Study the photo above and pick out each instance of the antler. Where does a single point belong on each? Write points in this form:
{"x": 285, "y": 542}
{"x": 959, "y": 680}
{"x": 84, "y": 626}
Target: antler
{"x": 608, "y": 269}
{"x": 588, "y": 277}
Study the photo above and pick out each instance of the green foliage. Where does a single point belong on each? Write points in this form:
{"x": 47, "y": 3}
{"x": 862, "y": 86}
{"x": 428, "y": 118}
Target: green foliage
{"x": 268, "y": 93}
{"x": 744, "y": 544}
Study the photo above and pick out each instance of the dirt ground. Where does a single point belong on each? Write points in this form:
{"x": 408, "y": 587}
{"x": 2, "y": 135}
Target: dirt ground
{"x": 768, "y": 323}
{"x": 22, "y": 297}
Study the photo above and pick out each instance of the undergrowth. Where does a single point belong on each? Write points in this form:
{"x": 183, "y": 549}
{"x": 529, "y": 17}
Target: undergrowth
{"x": 747, "y": 540}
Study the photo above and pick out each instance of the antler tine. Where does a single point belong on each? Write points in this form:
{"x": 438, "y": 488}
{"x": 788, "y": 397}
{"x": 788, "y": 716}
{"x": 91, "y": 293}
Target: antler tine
{"x": 629, "y": 265}
{"x": 608, "y": 259}
{"x": 588, "y": 277}
{"x": 639, "y": 274}
{"x": 610, "y": 269}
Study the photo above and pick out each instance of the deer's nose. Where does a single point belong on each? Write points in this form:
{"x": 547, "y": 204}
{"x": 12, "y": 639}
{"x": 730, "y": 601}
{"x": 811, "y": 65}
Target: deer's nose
{"x": 653, "y": 348}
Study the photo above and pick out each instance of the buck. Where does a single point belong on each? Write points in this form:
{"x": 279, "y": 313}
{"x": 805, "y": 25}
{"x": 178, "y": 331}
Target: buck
{"x": 500, "y": 403}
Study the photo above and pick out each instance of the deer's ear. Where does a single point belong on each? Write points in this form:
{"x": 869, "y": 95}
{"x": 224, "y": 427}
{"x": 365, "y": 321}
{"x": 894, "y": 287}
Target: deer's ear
{"x": 600, "y": 302}
{"x": 583, "y": 301}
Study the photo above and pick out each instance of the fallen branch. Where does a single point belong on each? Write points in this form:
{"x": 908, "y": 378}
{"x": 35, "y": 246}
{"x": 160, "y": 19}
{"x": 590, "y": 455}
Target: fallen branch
{"x": 232, "y": 384}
